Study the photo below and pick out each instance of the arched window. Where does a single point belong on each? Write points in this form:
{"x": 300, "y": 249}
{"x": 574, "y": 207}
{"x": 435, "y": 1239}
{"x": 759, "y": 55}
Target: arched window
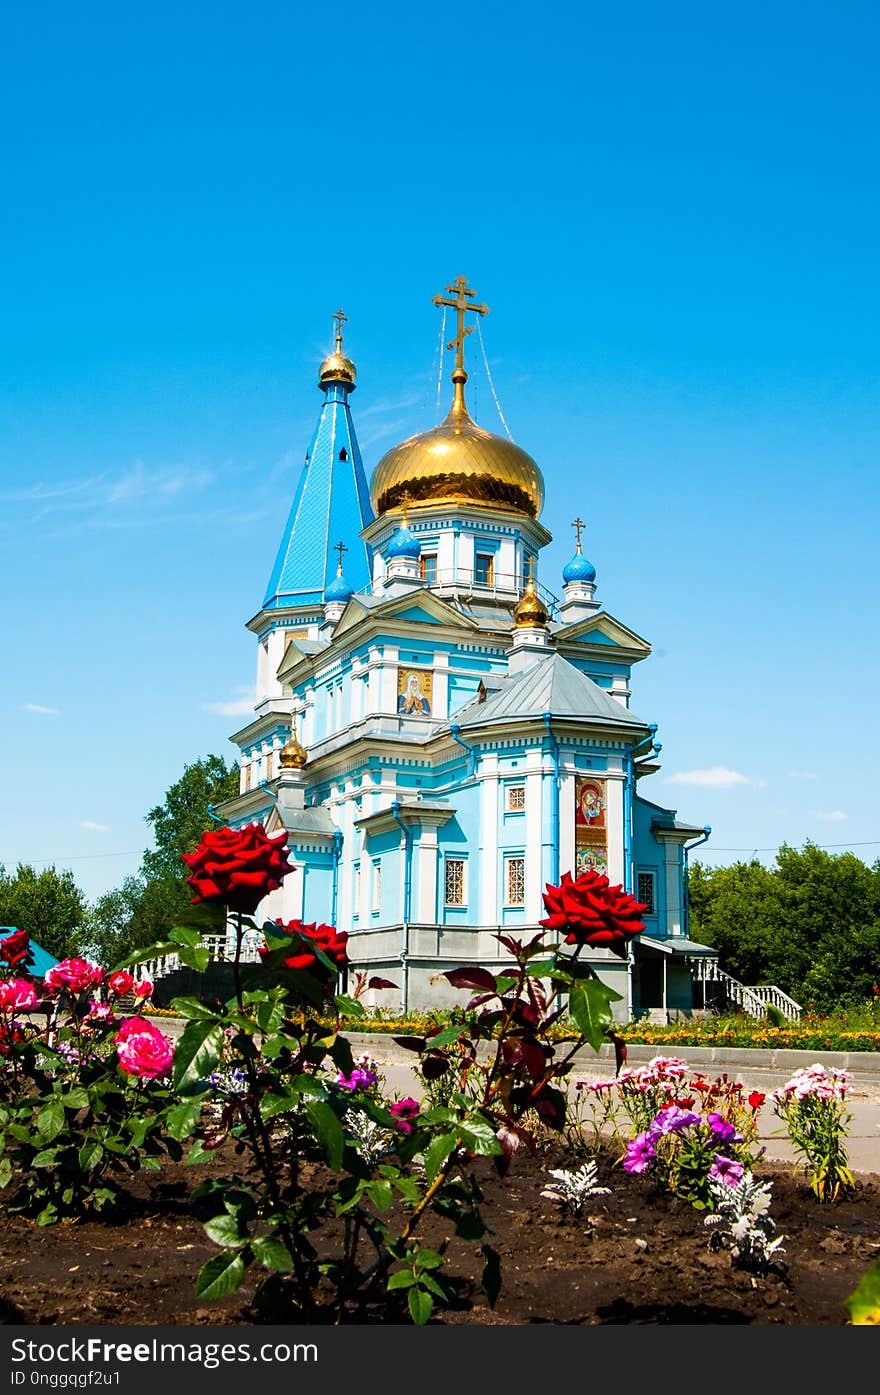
{"x": 343, "y": 454}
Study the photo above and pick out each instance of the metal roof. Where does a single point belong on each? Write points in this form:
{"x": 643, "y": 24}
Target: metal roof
{"x": 551, "y": 684}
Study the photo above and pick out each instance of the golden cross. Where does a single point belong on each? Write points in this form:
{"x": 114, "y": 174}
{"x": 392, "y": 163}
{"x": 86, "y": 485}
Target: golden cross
{"x": 341, "y": 319}
{"x": 460, "y": 304}
{"x": 530, "y": 562}
{"x": 340, "y": 548}
{"x": 579, "y": 525}
{"x": 404, "y": 501}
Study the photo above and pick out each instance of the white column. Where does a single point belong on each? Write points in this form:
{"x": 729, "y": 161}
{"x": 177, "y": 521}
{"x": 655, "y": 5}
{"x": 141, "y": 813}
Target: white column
{"x": 440, "y": 701}
{"x": 534, "y": 833}
{"x": 488, "y": 865}
{"x": 567, "y": 797}
{"x": 614, "y": 827}
{"x": 427, "y": 873}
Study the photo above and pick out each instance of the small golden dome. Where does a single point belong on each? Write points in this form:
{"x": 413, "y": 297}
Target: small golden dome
{"x": 293, "y": 755}
{"x": 531, "y": 612}
{"x": 336, "y": 368}
{"x": 458, "y": 463}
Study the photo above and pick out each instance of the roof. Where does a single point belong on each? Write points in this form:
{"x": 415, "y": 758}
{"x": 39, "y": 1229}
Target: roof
{"x": 553, "y": 685}
{"x": 675, "y": 944}
{"x": 43, "y": 960}
{"x": 314, "y": 822}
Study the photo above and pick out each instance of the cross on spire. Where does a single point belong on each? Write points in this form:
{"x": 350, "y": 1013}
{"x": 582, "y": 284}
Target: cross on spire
{"x": 341, "y": 319}
{"x": 461, "y": 296}
{"x": 340, "y": 548}
{"x": 578, "y": 526}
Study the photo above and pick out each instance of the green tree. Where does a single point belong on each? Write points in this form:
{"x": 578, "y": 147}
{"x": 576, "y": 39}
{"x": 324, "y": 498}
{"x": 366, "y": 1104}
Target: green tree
{"x": 811, "y": 924}
{"x": 49, "y": 905}
{"x": 144, "y": 908}
{"x": 179, "y": 822}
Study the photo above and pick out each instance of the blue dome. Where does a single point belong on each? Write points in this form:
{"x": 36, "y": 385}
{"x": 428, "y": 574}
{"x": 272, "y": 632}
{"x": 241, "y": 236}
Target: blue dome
{"x": 338, "y": 590}
{"x": 580, "y": 568}
{"x": 403, "y": 543}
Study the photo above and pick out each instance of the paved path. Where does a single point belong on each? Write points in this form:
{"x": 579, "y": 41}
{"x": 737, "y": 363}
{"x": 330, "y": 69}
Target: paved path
{"x": 758, "y": 1070}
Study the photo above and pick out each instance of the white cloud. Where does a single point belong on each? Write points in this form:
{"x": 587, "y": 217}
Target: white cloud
{"x": 830, "y": 815}
{"x": 41, "y": 710}
{"x": 718, "y": 777}
{"x": 93, "y": 827}
{"x": 240, "y": 706}
{"x": 801, "y": 774}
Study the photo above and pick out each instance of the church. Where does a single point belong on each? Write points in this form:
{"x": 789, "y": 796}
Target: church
{"x": 441, "y": 733}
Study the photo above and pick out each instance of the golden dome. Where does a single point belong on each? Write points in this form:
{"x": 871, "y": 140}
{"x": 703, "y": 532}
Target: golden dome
{"x": 293, "y": 755}
{"x": 336, "y": 368}
{"x": 458, "y": 463}
{"x": 531, "y": 612}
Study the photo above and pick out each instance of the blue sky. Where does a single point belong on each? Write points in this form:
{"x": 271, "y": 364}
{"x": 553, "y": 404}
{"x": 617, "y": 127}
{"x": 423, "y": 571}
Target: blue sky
{"x": 673, "y": 214}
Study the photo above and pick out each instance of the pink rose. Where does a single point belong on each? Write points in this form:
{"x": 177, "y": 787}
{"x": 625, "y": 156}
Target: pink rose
{"x": 143, "y": 989}
{"x": 75, "y": 975}
{"x": 142, "y": 1049}
{"x": 17, "y": 995}
{"x": 101, "y": 1012}
{"x": 121, "y": 982}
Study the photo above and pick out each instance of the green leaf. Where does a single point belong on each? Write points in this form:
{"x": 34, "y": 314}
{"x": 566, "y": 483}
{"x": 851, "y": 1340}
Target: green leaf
{"x": 76, "y": 1098}
{"x": 437, "y": 1153}
{"x": 274, "y": 1103}
{"x": 272, "y": 1253}
{"x": 192, "y": 1008}
{"x": 225, "y": 1230}
{"x": 50, "y": 1120}
{"x": 181, "y": 1119}
{"x": 184, "y": 935}
{"x": 328, "y": 1130}
{"x": 198, "y": 1050}
{"x": 445, "y": 1037}
{"x": 141, "y": 956}
{"x": 479, "y": 1136}
{"x": 403, "y": 1278}
{"x": 864, "y": 1302}
{"x": 5, "y": 1173}
{"x": 197, "y": 958}
{"x": 421, "y": 1306}
{"x": 589, "y": 1003}
{"x": 348, "y": 1007}
{"x": 381, "y": 1194}
{"x": 47, "y": 1157}
{"x": 220, "y": 1276}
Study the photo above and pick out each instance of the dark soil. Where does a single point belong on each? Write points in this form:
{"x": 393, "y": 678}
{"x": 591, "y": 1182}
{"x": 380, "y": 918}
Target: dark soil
{"x": 555, "y": 1269}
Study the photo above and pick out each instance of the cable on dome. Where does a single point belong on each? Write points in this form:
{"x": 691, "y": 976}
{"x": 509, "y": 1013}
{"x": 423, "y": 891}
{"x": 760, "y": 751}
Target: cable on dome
{"x": 440, "y": 363}
{"x": 489, "y": 376}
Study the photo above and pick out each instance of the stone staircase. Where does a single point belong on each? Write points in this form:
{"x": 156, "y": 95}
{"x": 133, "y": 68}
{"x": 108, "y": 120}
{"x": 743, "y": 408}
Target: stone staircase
{"x": 754, "y": 1001}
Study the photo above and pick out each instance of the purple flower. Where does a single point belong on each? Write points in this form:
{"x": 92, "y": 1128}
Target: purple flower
{"x": 639, "y": 1152}
{"x": 723, "y": 1129}
{"x": 672, "y": 1120}
{"x": 726, "y": 1170}
{"x": 358, "y": 1080}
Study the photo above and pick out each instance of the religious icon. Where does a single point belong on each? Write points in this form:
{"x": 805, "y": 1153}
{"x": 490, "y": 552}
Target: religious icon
{"x": 414, "y": 692}
{"x": 591, "y": 803}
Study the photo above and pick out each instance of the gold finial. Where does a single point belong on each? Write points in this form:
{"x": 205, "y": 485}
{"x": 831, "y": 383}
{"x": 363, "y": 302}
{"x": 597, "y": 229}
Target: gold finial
{"x": 404, "y": 504}
{"x": 340, "y": 547}
{"x": 461, "y": 296}
{"x": 341, "y": 319}
{"x": 579, "y": 526}
{"x": 293, "y": 755}
{"x": 531, "y": 612}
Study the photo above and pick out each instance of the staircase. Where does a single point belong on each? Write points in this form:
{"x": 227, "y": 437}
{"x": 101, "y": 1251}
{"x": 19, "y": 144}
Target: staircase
{"x": 753, "y": 1001}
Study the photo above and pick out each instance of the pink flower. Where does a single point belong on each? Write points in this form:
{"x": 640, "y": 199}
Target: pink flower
{"x": 121, "y": 982}
{"x": 74, "y": 975}
{"x": 639, "y": 1152}
{"x": 142, "y": 1049}
{"x": 101, "y": 1012}
{"x": 143, "y": 988}
{"x": 16, "y": 994}
{"x": 404, "y": 1112}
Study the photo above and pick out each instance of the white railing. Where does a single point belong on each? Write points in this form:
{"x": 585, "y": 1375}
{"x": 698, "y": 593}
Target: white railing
{"x": 222, "y": 948}
{"x": 751, "y": 1000}
{"x": 478, "y": 585}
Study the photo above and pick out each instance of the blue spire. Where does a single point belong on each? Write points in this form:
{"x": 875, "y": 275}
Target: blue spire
{"x": 332, "y": 499}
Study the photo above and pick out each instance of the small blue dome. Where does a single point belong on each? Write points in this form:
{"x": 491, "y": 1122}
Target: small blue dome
{"x": 403, "y": 543}
{"x": 580, "y": 568}
{"x": 338, "y": 590}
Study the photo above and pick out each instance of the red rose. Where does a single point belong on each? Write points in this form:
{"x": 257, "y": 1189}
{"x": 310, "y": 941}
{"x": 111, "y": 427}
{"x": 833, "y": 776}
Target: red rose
{"x": 238, "y": 866}
{"x": 592, "y": 912}
{"x": 142, "y": 1049}
{"x": 17, "y": 995}
{"x": 15, "y": 948}
{"x": 756, "y": 1099}
{"x": 121, "y": 982}
{"x": 326, "y": 937}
